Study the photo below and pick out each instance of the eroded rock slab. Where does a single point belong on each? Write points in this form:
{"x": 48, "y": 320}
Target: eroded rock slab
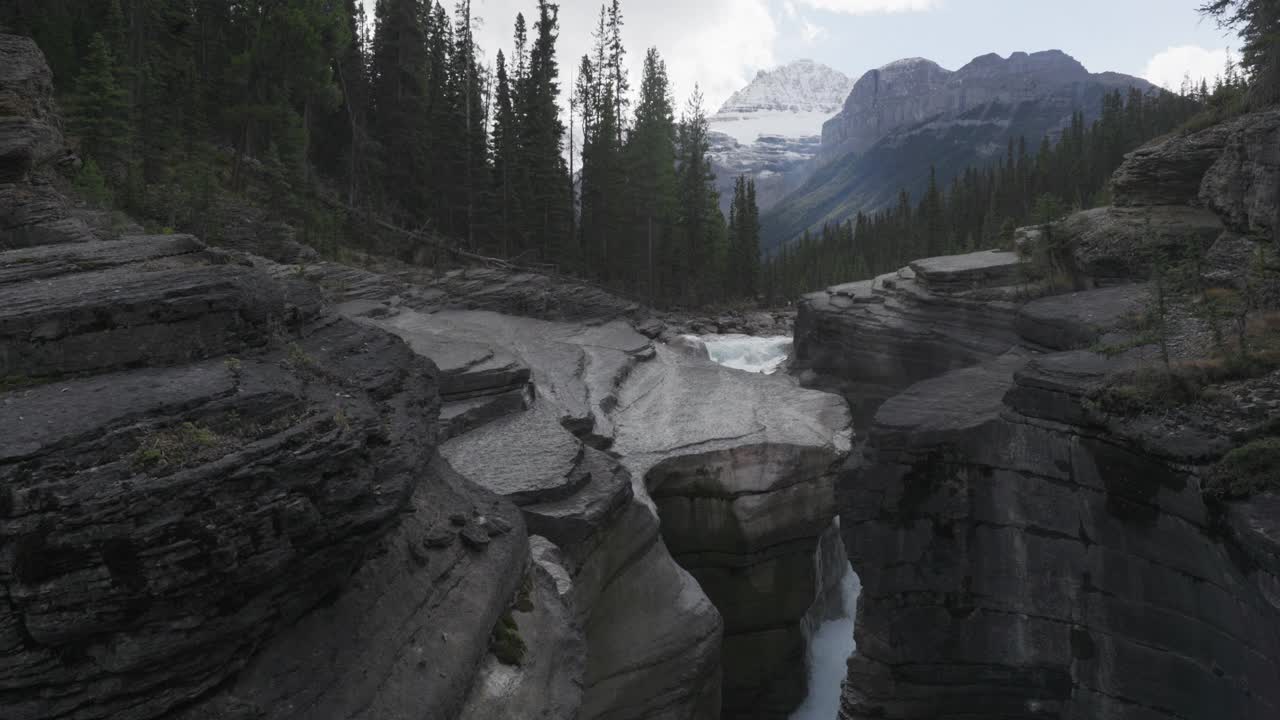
{"x": 970, "y": 272}
{"x": 870, "y": 340}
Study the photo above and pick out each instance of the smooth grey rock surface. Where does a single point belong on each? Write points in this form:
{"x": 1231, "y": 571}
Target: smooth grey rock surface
{"x": 970, "y": 272}
{"x": 1079, "y": 320}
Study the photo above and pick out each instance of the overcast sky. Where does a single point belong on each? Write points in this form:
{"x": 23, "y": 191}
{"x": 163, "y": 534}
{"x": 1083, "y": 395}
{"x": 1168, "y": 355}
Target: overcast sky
{"x": 720, "y": 44}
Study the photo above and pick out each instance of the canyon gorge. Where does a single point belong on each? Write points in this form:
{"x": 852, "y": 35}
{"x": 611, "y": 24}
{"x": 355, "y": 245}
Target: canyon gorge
{"x": 238, "y": 482}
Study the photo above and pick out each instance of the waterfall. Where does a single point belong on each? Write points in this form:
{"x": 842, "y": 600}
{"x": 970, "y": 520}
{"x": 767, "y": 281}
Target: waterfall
{"x": 765, "y": 355}
{"x": 832, "y": 643}
{"x": 829, "y": 649}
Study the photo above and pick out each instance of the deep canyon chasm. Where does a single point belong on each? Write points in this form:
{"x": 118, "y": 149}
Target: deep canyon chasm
{"x": 234, "y": 489}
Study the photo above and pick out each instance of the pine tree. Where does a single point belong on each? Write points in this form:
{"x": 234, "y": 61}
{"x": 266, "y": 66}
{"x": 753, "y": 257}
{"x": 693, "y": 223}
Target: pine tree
{"x": 506, "y": 134}
{"x": 617, "y": 66}
{"x": 400, "y": 72}
{"x": 1259, "y": 25}
{"x": 751, "y": 243}
{"x": 733, "y": 279}
{"x": 547, "y": 215}
{"x": 468, "y": 89}
{"x": 651, "y": 162}
{"x": 602, "y": 181}
{"x": 101, "y": 116}
{"x": 699, "y": 272}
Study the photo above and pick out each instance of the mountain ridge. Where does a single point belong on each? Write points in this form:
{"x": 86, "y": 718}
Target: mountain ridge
{"x": 912, "y": 114}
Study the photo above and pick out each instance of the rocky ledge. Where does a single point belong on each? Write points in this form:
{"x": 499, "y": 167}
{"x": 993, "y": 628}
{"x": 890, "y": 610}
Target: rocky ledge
{"x": 1038, "y": 534}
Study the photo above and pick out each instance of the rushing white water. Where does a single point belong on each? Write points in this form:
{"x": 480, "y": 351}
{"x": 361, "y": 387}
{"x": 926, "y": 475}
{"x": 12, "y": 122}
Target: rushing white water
{"x": 829, "y": 649}
{"x": 765, "y": 355}
{"x": 832, "y": 643}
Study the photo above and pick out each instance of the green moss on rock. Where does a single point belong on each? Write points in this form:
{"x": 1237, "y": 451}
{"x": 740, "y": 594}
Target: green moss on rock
{"x": 506, "y": 643}
{"x": 1247, "y": 470}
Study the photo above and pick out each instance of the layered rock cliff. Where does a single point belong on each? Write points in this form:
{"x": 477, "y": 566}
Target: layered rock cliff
{"x": 1037, "y": 535}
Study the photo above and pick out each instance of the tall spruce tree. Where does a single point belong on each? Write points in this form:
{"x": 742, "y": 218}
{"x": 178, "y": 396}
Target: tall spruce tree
{"x": 697, "y": 266}
{"x": 547, "y": 219}
{"x": 101, "y": 111}
{"x": 471, "y": 120}
{"x": 506, "y": 136}
{"x": 618, "y": 67}
{"x": 651, "y": 163}
{"x": 401, "y": 72}
{"x": 1259, "y": 25}
{"x": 602, "y": 180}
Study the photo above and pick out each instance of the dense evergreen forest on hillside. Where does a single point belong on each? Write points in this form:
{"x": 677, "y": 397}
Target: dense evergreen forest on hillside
{"x": 981, "y": 208}
{"x": 984, "y": 205}
{"x": 329, "y": 119}
{"x": 178, "y": 104}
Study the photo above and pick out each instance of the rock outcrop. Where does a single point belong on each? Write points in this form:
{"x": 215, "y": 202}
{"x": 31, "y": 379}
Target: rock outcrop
{"x": 700, "y": 510}
{"x": 220, "y": 500}
{"x": 1029, "y": 547}
{"x": 869, "y": 340}
{"x": 195, "y": 459}
{"x": 32, "y": 211}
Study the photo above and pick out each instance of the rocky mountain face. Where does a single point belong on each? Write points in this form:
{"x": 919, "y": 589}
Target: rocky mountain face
{"x": 907, "y": 116}
{"x": 1027, "y": 548}
{"x": 232, "y": 489}
{"x": 771, "y": 129}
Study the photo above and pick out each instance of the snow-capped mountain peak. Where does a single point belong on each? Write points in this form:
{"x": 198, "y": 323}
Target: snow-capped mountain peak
{"x": 771, "y": 128}
{"x": 801, "y": 86}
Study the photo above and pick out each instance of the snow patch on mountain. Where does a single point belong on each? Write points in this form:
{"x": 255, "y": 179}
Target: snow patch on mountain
{"x": 773, "y": 127}
{"x": 792, "y": 101}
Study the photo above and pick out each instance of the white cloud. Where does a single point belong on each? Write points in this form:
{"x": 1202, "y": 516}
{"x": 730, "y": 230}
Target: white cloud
{"x": 811, "y": 33}
{"x": 718, "y": 44}
{"x": 789, "y": 8}
{"x": 871, "y": 7}
{"x": 1169, "y": 67}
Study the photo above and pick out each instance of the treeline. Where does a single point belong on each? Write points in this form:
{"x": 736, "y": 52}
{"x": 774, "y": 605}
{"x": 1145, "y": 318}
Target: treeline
{"x": 981, "y": 207}
{"x": 177, "y": 104}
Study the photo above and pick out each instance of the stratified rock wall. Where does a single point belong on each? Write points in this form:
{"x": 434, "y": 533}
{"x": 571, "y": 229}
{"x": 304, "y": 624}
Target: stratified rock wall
{"x": 868, "y": 340}
{"x": 1024, "y": 552}
{"x": 1026, "y": 566}
{"x": 218, "y": 499}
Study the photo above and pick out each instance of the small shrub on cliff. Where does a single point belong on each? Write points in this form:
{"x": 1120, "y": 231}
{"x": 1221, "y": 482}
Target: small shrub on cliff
{"x": 1247, "y": 470}
{"x": 92, "y": 186}
{"x": 506, "y": 643}
{"x": 1157, "y": 388}
{"x": 178, "y": 447}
